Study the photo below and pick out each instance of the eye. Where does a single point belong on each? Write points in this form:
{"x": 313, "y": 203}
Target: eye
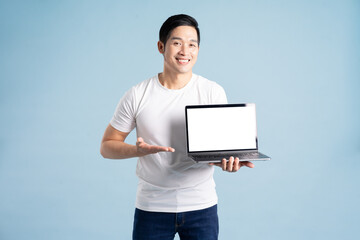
{"x": 177, "y": 43}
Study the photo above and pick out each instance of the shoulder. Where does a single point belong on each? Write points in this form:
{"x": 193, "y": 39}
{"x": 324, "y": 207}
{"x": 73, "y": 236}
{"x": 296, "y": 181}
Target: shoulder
{"x": 211, "y": 91}
{"x": 205, "y": 83}
{"x": 143, "y": 85}
{"x": 140, "y": 88}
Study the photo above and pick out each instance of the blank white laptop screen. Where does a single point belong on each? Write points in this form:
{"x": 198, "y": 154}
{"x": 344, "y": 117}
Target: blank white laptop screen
{"x": 222, "y": 128}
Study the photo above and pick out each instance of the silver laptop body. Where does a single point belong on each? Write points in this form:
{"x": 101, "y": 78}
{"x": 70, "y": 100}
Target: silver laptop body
{"x": 220, "y": 131}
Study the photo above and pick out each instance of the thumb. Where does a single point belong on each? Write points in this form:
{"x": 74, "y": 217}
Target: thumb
{"x": 248, "y": 164}
{"x": 140, "y": 140}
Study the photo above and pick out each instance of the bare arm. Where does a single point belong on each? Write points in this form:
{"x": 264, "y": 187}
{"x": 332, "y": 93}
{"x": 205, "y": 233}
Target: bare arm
{"x": 113, "y": 146}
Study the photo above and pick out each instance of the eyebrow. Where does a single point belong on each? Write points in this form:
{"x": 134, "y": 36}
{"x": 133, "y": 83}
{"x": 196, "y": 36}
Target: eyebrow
{"x": 178, "y": 38}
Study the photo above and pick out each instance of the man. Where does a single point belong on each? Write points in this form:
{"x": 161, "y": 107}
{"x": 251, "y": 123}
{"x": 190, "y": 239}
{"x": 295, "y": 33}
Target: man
{"x": 175, "y": 194}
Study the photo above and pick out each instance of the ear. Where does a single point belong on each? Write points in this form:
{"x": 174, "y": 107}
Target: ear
{"x": 161, "y": 47}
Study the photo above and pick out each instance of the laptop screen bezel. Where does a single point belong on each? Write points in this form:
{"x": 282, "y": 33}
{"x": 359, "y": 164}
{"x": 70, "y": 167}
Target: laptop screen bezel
{"x": 219, "y": 106}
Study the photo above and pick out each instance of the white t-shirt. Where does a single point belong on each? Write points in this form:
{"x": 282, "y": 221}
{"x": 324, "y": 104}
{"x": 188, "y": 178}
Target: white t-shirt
{"x": 168, "y": 182}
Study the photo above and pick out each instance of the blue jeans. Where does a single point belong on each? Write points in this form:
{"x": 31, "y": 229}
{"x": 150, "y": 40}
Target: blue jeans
{"x": 200, "y": 224}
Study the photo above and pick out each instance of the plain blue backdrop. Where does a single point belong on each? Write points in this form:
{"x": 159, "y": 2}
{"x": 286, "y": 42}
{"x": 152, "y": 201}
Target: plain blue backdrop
{"x": 65, "y": 64}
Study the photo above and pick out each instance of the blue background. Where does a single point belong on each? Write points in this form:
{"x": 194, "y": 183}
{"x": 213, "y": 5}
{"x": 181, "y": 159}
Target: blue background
{"x": 65, "y": 64}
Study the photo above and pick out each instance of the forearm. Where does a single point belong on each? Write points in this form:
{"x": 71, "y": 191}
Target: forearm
{"x": 113, "y": 149}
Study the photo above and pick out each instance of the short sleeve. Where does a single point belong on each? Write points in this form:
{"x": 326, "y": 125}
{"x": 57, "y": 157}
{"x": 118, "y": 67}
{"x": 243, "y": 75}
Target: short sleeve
{"x": 124, "y": 116}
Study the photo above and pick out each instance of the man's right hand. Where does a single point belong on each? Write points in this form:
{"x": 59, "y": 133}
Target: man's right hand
{"x": 144, "y": 149}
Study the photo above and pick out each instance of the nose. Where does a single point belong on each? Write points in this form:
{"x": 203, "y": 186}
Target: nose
{"x": 184, "y": 50}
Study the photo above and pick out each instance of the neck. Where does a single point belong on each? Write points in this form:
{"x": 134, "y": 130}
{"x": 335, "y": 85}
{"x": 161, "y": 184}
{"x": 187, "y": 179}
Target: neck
{"x": 174, "y": 81}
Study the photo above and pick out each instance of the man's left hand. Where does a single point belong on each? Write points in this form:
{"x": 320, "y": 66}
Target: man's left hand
{"x": 233, "y": 164}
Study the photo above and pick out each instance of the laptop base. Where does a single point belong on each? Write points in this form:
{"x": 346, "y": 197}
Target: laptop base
{"x": 252, "y": 156}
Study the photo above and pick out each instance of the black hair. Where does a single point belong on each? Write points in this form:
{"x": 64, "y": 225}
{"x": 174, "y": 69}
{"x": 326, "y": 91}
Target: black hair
{"x": 176, "y": 21}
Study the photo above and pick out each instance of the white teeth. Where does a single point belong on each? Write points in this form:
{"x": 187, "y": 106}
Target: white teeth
{"x": 183, "y": 61}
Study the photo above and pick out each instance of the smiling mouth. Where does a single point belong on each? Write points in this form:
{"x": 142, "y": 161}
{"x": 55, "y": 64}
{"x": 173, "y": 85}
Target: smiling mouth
{"x": 183, "y": 60}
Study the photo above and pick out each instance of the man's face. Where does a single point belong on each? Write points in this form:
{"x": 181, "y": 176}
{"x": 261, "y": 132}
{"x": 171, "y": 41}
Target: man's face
{"x": 181, "y": 50}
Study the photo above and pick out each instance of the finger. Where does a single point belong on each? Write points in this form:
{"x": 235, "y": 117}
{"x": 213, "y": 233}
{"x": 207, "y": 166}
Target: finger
{"x": 230, "y": 164}
{"x": 154, "y": 148}
{"x": 218, "y": 164}
{"x": 223, "y": 164}
{"x": 139, "y": 143}
{"x": 140, "y": 140}
{"x": 247, "y": 164}
{"x": 166, "y": 149}
{"x": 236, "y": 166}
{"x": 170, "y": 149}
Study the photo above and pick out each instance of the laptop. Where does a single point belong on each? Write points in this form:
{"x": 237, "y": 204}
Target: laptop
{"x": 220, "y": 131}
